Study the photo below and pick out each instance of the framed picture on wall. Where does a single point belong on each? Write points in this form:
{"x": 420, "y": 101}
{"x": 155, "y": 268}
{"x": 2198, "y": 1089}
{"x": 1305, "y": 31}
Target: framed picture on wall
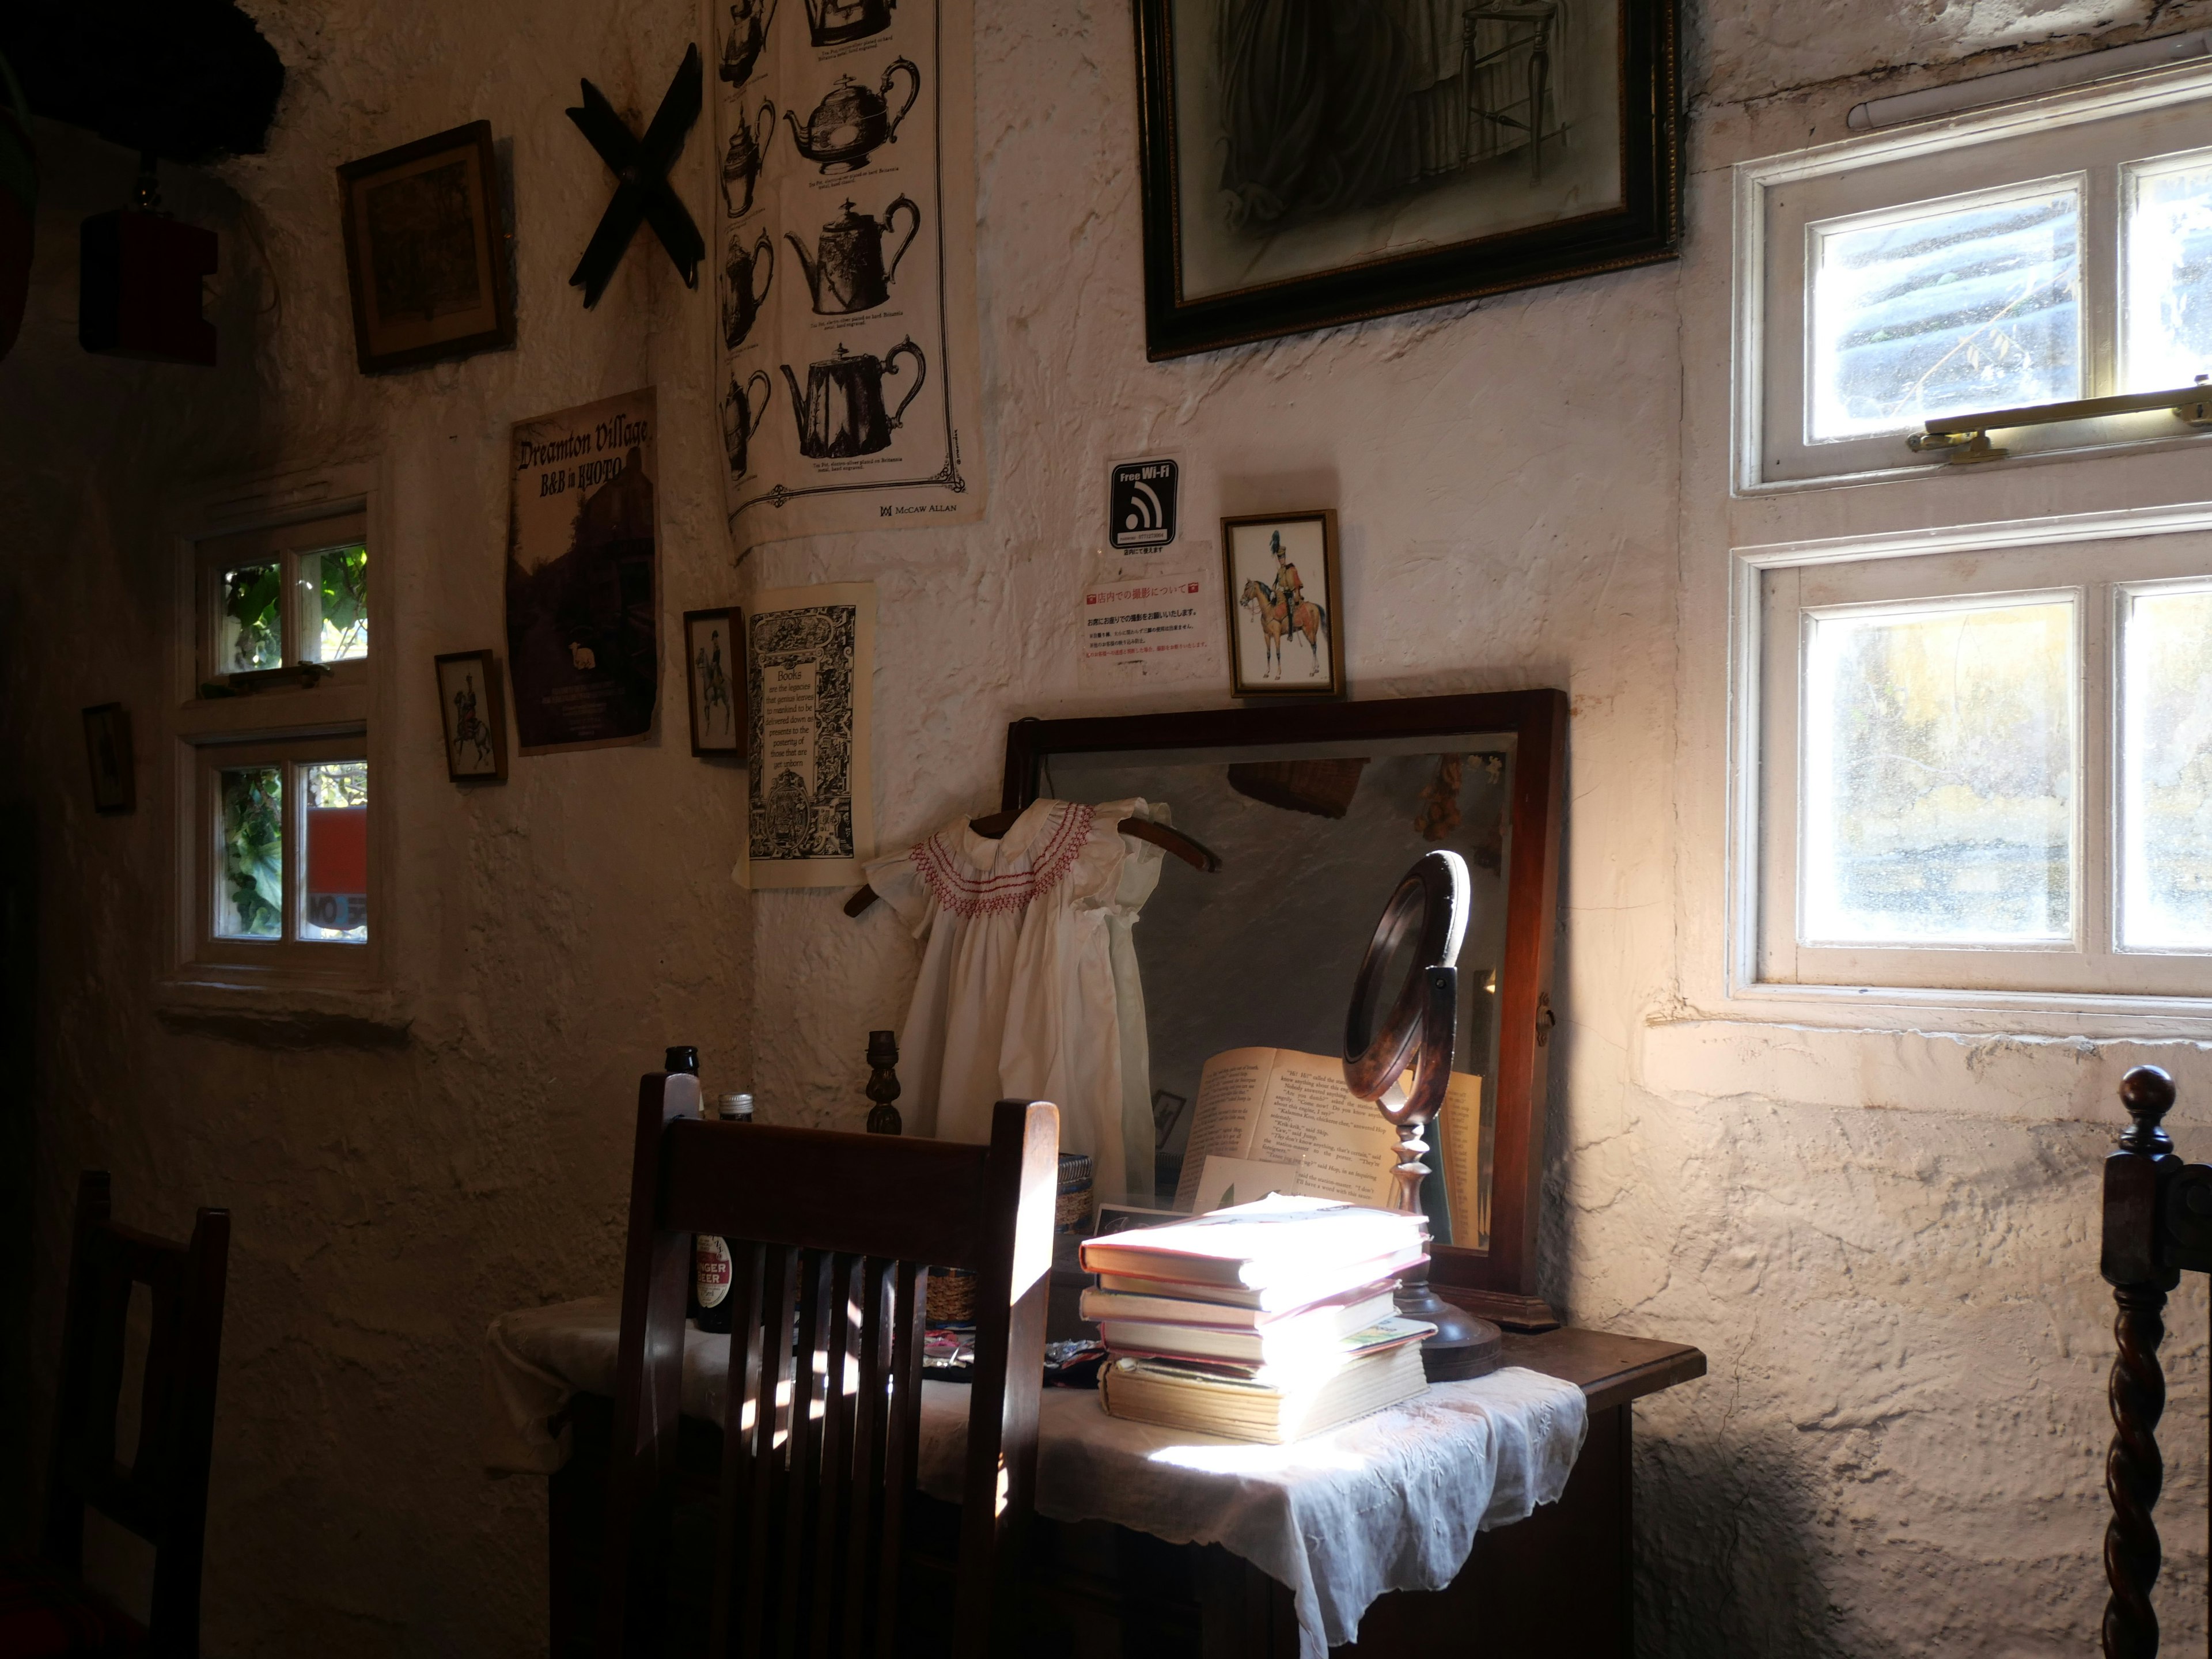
{"x": 715, "y": 672}
{"x": 108, "y": 748}
{"x": 1285, "y": 605}
{"x": 424, "y": 251}
{"x": 1431, "y": 150}
{"x": 474, "y": 717}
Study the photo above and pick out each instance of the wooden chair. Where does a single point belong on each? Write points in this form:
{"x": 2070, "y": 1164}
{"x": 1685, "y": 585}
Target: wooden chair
{"x": 2157, "y": 1224}
{"x": 831, "y": 1238}
{"x": 161, "y": 1495}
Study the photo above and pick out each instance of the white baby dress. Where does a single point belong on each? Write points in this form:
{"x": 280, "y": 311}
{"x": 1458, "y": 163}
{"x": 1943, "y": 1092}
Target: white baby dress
{"x": 1029, "y": 987}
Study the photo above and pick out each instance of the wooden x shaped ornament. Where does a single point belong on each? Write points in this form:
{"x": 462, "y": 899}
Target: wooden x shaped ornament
{"x": 644, "y": 194}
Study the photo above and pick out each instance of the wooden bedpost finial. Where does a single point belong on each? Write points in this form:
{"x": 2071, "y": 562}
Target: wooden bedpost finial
{"x": 2147, "y": 1093}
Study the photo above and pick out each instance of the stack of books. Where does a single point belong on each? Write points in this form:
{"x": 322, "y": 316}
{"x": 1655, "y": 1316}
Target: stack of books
{"x": 1269, "y": 1321}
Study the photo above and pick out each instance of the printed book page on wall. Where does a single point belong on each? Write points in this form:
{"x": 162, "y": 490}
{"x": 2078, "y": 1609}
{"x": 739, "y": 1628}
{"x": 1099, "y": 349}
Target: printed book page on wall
{"x": 843, "y": 242}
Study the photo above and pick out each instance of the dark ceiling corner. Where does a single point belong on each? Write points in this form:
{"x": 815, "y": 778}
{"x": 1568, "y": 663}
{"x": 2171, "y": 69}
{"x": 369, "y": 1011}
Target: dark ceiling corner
{"x": 192, "y": 80}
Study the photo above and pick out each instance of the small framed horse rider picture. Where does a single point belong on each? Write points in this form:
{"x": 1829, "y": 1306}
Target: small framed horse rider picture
{"x": 474, "y": 716}
{"x": 714, "y": 671}
{"x": 1285, "y": 605}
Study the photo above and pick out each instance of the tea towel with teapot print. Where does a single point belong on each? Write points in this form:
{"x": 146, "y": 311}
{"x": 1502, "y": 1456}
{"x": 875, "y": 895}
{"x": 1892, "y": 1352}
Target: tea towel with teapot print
{"x": 844, "y": 248}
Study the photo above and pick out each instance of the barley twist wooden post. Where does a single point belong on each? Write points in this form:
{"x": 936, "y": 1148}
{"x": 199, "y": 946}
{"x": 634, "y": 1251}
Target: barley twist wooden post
{"x": 2135, "y": 1264}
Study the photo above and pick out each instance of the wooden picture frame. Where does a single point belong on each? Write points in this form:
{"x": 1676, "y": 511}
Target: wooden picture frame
{"x": 714, "y": 680}
{"x": 426, "y": 255}
{"x": 472, "y": 716}
{"x": 107, "y": 752}
{"x": 1416, "y": 187}
{"x": 1286, "y": 618}
{"x": 1500, "y": 1282}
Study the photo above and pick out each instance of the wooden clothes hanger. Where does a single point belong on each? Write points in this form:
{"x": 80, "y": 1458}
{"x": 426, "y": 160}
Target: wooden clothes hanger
{"x": 994, "y": 826}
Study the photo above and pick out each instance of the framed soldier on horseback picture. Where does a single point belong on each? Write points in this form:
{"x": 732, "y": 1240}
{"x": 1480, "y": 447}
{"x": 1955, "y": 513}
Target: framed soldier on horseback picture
{"x": 1285, "y": 604}
{"x": 475, "y": 721}
{"x": 714, "y": 670}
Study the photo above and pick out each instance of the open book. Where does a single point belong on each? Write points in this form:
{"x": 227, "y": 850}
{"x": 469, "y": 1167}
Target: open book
{"x": 1279, "y": 1106}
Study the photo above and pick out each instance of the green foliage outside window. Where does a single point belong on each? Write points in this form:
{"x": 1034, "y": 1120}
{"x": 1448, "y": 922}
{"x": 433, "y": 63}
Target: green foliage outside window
{"x": 250, "y": 597}
{"x": 341, "y": 576}
{"x": 253, "y": 851}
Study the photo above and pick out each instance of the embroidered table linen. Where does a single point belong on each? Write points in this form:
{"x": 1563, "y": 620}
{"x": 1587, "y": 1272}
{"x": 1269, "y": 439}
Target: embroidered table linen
{"x": 1028, "y": 988}
{"x": 1390, "y": 1502}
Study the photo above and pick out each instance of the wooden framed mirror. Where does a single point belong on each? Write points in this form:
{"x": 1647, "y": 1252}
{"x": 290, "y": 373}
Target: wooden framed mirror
{"x": 1316, "y": 810}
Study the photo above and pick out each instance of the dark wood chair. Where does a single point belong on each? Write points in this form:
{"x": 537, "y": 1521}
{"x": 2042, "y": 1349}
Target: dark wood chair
{"x": 2157, "y": 1224}
{"x": 831, "y": 1239}
{"x": 161, "y": 1495}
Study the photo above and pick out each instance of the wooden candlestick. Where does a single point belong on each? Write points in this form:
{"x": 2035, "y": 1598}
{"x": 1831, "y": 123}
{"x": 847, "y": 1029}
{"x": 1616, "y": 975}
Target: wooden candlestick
{"x": 883, "y": 1084}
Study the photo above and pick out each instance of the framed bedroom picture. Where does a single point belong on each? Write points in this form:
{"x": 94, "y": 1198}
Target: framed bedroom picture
{"x": 474, "y": 718}
{"x": 715, "y": 677}
{"x": 424, "y": 253}
{"x": 1306, "y": 164}
{"x": 1285, "y": 605}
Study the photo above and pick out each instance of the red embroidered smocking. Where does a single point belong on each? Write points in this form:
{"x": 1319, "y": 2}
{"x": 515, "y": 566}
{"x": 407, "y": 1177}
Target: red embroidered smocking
{"x": 964, "y": 894}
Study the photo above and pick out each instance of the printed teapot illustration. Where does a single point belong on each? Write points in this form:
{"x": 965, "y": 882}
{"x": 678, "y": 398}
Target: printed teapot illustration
{"x": 740, "y": 420}
{"x": 741, "y": 168}
{"x": 848, "y": 273}
{"x": 852, "y": 121}
{"x": 833, "y": 22}
{"x": 841, "y": 411}
{"x": 741, "y": 303}
{"x": 748, "y": 21}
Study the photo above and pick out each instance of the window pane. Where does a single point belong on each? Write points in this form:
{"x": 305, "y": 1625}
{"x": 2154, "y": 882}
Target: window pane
{"x": 252, "y": 633}
{"x": 334, "y": 897}
{"x": 250, "y": 862}
{"x": 1944, "y": 312}
{"x": 1937, "y": 783}
{"x": 334, "y": 604}
{"x": 2168, "y": 253}
{"x": 2165, "y": 770}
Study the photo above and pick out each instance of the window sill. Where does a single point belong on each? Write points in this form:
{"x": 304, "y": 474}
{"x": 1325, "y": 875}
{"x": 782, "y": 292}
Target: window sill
{"x": 204, "y": 998}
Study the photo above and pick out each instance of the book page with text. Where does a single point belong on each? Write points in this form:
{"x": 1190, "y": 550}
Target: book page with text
{"x": 1230, "y": 1090}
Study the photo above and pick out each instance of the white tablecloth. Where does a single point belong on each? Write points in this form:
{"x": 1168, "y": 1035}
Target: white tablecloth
{"x": 1390, "y": 1502}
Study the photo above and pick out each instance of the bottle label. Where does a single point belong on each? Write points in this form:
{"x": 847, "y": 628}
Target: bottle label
{"x": 711, "y": 1268}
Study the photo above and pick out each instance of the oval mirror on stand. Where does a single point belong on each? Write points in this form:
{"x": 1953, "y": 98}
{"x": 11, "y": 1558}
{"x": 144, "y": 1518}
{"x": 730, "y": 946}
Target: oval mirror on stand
{"x": 1412, "y": 961}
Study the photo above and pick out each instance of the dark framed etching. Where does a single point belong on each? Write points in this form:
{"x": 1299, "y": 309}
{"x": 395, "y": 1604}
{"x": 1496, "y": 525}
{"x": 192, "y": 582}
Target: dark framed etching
{"x": 714, "y": 680}
{"x": 1306, "y": 163}
{"x": 425, "y": 257}
{"x": 473, "y": 716}
{"x": 107, "y": 750}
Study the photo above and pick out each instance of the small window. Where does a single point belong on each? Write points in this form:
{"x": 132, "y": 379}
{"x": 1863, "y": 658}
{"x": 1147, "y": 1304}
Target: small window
{"x": 276, "y": 599}
{"x": 1981, "y": 772}
{"x": 2024, "y": 258}
{"x": 277, "y": 843}
{"x": 285, "y": 848}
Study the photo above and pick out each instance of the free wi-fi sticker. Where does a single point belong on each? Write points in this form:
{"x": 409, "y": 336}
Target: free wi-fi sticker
{"x": 1140, "y": 504}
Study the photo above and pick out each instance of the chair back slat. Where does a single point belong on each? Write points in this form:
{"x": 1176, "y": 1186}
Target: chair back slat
{"x": 161, "y": 1493}
{"x": 822, "y": 1416}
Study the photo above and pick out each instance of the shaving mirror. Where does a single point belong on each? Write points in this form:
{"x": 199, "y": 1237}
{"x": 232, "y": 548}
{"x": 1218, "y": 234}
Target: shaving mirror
{"x": 1317, "y": 810}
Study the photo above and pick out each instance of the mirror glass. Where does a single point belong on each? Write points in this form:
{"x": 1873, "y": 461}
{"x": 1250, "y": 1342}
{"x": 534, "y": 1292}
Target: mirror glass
{"x": 1313, "y": 839}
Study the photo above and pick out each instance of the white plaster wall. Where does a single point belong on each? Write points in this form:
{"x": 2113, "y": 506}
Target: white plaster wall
{"x": 1885, "y": 1243}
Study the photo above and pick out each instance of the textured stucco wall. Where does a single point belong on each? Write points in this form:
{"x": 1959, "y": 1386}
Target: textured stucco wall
{"x": 1884, "y": 1242}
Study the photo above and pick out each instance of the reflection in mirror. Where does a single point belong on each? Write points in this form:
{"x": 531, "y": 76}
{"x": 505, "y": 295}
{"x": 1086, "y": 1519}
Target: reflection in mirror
{"x": 1313, "y": 839}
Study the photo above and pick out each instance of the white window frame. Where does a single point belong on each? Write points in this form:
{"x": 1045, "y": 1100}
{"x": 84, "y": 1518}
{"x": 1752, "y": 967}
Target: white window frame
{"x": 2109, "y": 553}
{"x": 2092, "y": 132}
{"x": 336, "y": 717}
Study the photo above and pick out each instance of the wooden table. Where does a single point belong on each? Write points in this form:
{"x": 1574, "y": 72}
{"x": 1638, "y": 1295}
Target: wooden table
{"x": 1559, "y": 1584}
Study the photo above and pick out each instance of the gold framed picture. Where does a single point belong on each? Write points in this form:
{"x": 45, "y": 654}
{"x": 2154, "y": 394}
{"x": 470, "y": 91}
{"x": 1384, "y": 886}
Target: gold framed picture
{"x": 474, "y": 718}
{"x": 714, "y": 676}
{"x": 424, "y": 253}
{"x": 1286, "y": 605}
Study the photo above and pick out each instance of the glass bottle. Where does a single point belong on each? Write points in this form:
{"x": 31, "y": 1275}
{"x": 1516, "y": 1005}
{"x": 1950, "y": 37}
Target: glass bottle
{"x": 711, "y": 1266}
